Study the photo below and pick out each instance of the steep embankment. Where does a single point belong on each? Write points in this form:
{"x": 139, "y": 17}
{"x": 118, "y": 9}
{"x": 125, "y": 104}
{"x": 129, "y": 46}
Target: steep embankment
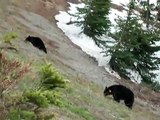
{"x": 36, "y": 18}
{"x": 40, "y": 22}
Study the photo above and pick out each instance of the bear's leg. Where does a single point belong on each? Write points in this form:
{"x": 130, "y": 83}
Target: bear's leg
{"x": 128, "y": 104}
{"x": 116, "y": 98}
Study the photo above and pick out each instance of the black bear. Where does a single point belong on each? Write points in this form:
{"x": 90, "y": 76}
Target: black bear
{"x": 120, "y": 92}
{"x": 37, "y": 42}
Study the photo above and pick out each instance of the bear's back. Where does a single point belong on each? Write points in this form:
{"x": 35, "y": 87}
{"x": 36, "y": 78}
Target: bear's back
{"x": 122, "y": 91}
{"x": 37, "y": 42}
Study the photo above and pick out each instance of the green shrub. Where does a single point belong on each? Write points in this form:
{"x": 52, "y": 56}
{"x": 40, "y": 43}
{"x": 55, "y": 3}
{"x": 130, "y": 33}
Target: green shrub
{"x": 8, "y": 37}
{"x": 43, "y": 98}
{"x": 53, "y": 97}
{"x": 46, "y": 93}
{"x": 36, "y": 97}
{"x": 18, "y": 114}
{"x": 51, "y": 78}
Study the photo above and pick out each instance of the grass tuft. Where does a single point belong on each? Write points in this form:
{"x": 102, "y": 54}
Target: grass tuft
{"x": 10, "y": 36}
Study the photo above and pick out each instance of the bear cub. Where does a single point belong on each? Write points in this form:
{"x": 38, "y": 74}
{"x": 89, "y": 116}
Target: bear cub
{"x": 120, "y": 92}
{"x": 37, "y": 42}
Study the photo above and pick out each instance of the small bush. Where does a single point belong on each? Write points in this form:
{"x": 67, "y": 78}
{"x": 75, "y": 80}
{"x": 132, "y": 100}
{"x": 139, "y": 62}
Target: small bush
{"x": 36, "y": 97}
{"x": 43, "y": 98}
{"x": 10, "y": 72}
{"x": 51, "y": 78}
{"x": 8, "y": 37}
{"x": 53, "y": 97}
{"x": 18, "y": 114}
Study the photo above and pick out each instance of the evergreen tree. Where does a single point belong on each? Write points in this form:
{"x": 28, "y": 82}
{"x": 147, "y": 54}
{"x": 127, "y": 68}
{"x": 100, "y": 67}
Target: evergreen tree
{"x": 95, "y": 22}
{"x": 135, "y": 49}
{"x": 158, "y": 10}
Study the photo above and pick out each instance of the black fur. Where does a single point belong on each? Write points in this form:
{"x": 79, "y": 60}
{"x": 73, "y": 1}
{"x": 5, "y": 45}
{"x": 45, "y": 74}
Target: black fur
{"x": 120, "y": 92}
{"x": 37, "y": 42}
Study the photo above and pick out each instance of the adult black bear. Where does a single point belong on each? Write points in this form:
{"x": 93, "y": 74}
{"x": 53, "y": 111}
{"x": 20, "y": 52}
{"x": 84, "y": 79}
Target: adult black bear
{"x": 120, "y": 92}
{"x": 37, "y": 42}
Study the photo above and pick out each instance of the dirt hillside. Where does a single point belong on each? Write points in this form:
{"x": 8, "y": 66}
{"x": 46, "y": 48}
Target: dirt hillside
{"x": 36, "y": 17}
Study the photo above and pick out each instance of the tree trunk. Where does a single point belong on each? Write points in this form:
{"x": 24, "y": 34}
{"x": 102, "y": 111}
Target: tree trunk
{"x": 148, "y": 11}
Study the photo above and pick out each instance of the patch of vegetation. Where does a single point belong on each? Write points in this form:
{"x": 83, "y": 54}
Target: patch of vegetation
{"x": 47, "y": 116}
{"x": 51, "y": 78}
{"x": 11, "y": 72}
{"x": 18, "y": 114}
{"x": 10, "y": 36}
{"x": 82, "y": 112}
{"x": 42, "y": 98}
{"x": 36, "y": 97}
{"x": 46, "y": 93}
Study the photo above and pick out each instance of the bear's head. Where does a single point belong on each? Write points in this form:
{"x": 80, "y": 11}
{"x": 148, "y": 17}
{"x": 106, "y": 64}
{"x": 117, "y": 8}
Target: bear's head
{"x": 107, "y": 91}
{"x": 28, "y": 38}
